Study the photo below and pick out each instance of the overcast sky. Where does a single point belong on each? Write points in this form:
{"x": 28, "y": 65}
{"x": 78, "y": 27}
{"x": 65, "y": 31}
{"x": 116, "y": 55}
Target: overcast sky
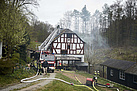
{"x": 52, "y": 10}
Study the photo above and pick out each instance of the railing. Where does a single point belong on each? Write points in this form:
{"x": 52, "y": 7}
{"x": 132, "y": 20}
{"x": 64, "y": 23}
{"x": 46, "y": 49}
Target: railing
{"x": 48, "y": 41}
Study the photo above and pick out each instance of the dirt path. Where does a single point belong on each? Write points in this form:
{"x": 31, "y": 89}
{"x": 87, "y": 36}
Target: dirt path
{"x": 41, "y": 84}
{"x": 30, "y": 88}
{"x": 81, "y": 78}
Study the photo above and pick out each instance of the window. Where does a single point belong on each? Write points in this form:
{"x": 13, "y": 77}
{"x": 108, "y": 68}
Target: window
{"x": 121, "y": 75}
{"x": 111, "y": 72}
{"x": 68, "y": 46}
{"x": 135, "y": 79}
{"x": 69, "y": 35}
{"x": 68, "y": 40}
{"x": 51, "y": 65}
{"x": 64, "y": 51}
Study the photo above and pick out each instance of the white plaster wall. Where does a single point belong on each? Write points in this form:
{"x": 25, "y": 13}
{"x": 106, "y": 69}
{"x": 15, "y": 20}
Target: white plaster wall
{"x": 58, "y": 50}
{"x": 54, "y": 45}
{"x": 74, "y": 46}
{"x": 59, "y": 44}
{"x": 63, "y": 46}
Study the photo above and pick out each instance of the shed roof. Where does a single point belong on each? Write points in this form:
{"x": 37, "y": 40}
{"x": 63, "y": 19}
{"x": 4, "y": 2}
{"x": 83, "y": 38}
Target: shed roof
{"x": 132, "y": 70}
{"x": 82, "y": 64}
{"x": 118, "y": 64}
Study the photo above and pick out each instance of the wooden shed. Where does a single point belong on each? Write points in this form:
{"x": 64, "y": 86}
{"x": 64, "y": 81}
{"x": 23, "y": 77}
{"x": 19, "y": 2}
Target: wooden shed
{"x": 82, "y": 66}
{"x": 122, "y": 72}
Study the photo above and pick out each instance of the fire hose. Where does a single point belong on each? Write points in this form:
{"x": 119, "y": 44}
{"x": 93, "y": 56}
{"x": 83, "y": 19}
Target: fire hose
{"x": 24, "y": 81}
{"x": 77, "y": 79}
{"x": 94, "y": 86}
{"x": 85, "y": 85}
{"x": 30, "y": 77}
{"x": 101, "y": 85}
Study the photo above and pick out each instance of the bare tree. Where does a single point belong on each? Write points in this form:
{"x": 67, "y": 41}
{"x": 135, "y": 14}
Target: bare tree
{"x": 76, "y": 15}
{"x": 85, "y": 15}
{"x": 67, "y": 19}
{"x": 88, "y": 52}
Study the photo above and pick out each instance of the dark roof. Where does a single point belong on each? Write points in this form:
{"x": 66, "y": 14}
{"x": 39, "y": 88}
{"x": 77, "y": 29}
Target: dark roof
{"x": 62, "y": 31}
{"x": 66, "y": 31}
{"x": 132, "y": 70}
{"x": 82, "y": 64}
{"x": 118, "y": 64}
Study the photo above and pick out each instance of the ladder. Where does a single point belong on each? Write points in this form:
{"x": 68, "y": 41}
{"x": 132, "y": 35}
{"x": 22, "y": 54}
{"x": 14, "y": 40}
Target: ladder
{"x": 49, "y": 39}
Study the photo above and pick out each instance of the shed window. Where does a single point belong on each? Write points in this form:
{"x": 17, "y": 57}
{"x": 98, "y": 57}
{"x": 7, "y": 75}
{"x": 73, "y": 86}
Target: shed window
{"x": 111, "y": 72}
{"x": 121, "y": 75}
{"x": 135, "y": 79}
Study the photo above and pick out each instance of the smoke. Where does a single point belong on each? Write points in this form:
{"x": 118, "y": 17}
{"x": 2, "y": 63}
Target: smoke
{"x": 95, "y": 46}
{"x": 94, "y": 40}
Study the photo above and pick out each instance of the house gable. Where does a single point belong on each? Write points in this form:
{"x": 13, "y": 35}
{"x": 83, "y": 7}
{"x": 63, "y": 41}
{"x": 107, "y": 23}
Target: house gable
{"x": 68, "y": 43}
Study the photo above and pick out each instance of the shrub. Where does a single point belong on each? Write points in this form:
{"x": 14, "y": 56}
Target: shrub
{"x": 6, "y": 66}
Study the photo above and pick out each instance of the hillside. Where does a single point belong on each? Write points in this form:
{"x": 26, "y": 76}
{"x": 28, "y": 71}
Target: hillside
{"x": 123, "y": 53}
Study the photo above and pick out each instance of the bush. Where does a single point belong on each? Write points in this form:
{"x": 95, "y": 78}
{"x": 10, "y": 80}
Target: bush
{"x": 6, "y": 66}
{"x": 20, "y": 73}
{"x": 28, "y": 60}
{"x": 15, "y": 77}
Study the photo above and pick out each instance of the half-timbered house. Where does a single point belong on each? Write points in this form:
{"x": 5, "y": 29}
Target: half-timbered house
{"x": 68, "y": 43}
{"x": 68, "y": 46}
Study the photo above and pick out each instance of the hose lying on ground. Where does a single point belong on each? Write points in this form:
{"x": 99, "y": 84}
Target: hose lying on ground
{"x": 24, "y": 81}
{"x": 30, "y": 77}
{"x": 77, "y": 79}
{"x": 84, "y": 86}
{"x": 56, "y": 79}
{"x": 101, "y": 85}
{"x": 94, "y": 86}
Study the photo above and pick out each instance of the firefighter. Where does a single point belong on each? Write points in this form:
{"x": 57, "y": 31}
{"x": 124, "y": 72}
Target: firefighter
{"x": 95, "y": 73}
{"x": 35, "y": 65}
{"x": 28, "y": 66}
{"x": 60, "y": 65}
{"x": 95, "y": 79}
{"x": 39, "y": 67}
{"x": 45, "y": 66}
{"x": 98, "y": 73}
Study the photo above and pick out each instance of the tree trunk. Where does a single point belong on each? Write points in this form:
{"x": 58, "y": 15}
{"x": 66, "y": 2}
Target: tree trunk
{"x": 88, "y": 67}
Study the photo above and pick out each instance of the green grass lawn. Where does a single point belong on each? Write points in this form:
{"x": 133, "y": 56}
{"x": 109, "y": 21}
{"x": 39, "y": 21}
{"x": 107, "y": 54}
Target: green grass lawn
{"x": 15, "y": 78}
{"x": 104, "y": 81}
{"x": 60, "y": 86}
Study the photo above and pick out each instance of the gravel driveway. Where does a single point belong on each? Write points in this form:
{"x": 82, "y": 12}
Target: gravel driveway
{"x": 33, "y": 87}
